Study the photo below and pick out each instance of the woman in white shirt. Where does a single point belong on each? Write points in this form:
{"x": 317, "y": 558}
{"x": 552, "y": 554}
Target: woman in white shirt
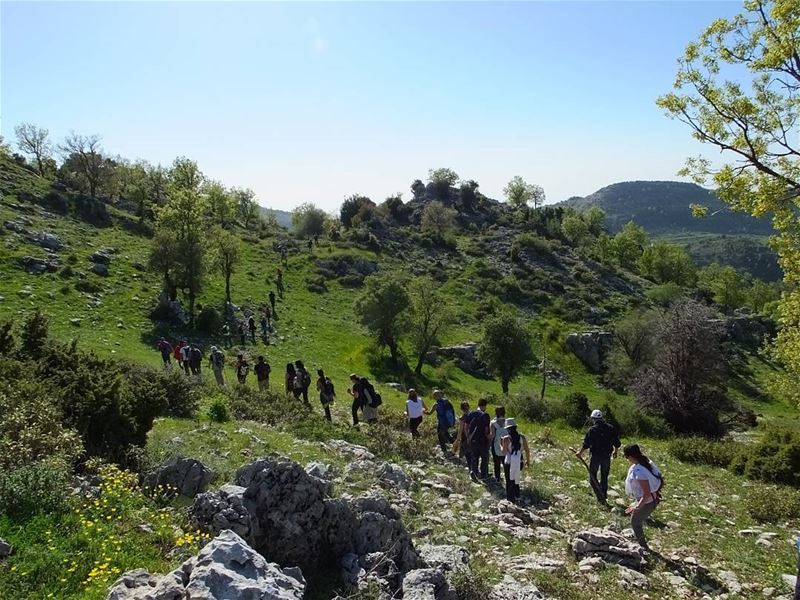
{"x": 643, "y": 484}
{"x": 415, "y": 406}
{"x": 513, "y": 444}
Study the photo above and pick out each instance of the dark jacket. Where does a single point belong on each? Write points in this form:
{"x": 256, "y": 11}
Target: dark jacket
{"x": 601, "y": 438}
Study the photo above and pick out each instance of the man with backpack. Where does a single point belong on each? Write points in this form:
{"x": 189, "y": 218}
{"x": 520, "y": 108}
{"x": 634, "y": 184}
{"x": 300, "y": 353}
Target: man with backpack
{"x": 166, "y": 351}
{"x": 186, "y": 357}
{"x": 262, "y": 371}
{"x": 251, "y": 326}
{"x": 217, "y": 361}
{"x": 445, "y": 419}
{"x": 195, "y": 360}
{"x": 479, "y": 440}
{"x": 303, "y": 379}
{"x": 602, "y": 441}
{"x": 365, "y": 398}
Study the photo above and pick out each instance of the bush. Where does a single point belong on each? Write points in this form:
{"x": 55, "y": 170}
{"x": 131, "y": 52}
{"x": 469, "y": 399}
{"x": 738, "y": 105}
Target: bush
{"x": 703, "y": 451}
{"x": 666, "y": 294}
{"x": 209, "y": 321}
{"x": 769, "y": 504}
{"x": 470, "y": 586}
{"x": 35, "y": 488}
{"x": 182, "y": 393}
{"x": 575, "y": 409}
{"x": 635, "y": 422}
{"x": 88, "y": 286}
{"x": 775, "y": 459}
{"x": 271, "y": 408}
{"x": 530, "y": 407}
{"x": 218, "y": 411}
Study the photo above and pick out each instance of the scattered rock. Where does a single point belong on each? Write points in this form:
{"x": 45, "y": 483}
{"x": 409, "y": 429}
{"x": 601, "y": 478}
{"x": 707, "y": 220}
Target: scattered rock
{"x": 185, "y": 476}
{"x": 535, "y": 562}
{"x": 591, "y": 347}
{"x": 628, "y": 578}
{"x": 320, "y": 470}
{"x": 47, "y": 240}
{"x": 102, "y": 256}
{"x": 223, "y": 509}
{"x": 25, "y": 293}
{"x": 445, "y": 557}
{"x": 15, "y": 226}
{"x": 393, "y": 475}
{"x": 100, "y": 269}
{"x": 427, "y": 584}
{"x": 609, "y": 546}
{"x": 348, "y": 449}
{"x": 510, "y": 589}
{"x": 225, "y": 568}
{"x": 790, "y": 581}
{"x": 396, "y": 386}
{"x": 36, "y": 266}
{"x": 731, "y": 581}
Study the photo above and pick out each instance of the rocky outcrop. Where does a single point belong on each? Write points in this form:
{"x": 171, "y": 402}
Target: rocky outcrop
{"x": 511, "y": 589}
{"x": 749, "y": 330}
{"x": 47, "y": 240}
{"x": 466, "y": 357}
{"x": 393, "y": 475}
{"x": 591, "y": 347}
{"x": 102, "y": 256}
{"x": 185, "y": 476}
{"x": 225, "y": 568}
{"x": 36, "y": 266}
{"x": 427, "y": 584}
{"x": 609, "y": 546}
{"x": 445, "y": 557}
{"x": 223, "y": 509}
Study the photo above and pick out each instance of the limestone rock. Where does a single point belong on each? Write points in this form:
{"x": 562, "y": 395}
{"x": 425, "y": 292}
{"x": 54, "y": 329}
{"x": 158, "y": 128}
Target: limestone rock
{"x": 511, "y": 589}
{"x": 609, "y": 546}
{"x": 628, "y": 578}
{"x": 427, "y": 584}
{"x": 36, "y": 266}
{"x": 444, "y": 556}
{"x": 100, "y": 269}
{"x": 591, "y": 347}
{"x": 221, "y": 510}
{"x": 47, "y": 240}
{"x": 186, "y": 476}
{"x": 393, "y": 475}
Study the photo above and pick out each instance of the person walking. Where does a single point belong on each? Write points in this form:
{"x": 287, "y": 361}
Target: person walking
{"x": 512, "y": 446}
{"x": 272, "y": 304}
{"x": 357, "y": 393}
{"x": 217, "y": 362}
{"x": 445, "y": 419}
{"x": 643, "y": 483}
{"x": 497, "y": 431}
{"x": 602, "y": 441}
{"x": 196, "y": 360}
{"x": 186, "y": 357}
{"x": 479, "y": 441}
{"x": 327, "y": 393}
{"x": 279, "y": 283}
{"x": 304, "y": 378}
{"x": 415, "y": 407}
{"x": 262, "y": 371}
{"x": 268, "y": 316}
{"x": 242, "y": 369}
{"x": 461, "y": 445}
{"x": 264, "y": 327}
{"x": 310, "y": 245}
{"x": 226, "y": 335}
{"x": 242, "y": 333}
{"x": 372, "y": 400}
{"x": 165, "y": 348}
{"x": 251, "y": 326}
{"x": 177, "y": 354}
{"x": 290, "y": 379}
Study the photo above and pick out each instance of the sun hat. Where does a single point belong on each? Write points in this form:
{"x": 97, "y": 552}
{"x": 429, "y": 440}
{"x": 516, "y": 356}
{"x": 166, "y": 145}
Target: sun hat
{"x": 596, "y": 414}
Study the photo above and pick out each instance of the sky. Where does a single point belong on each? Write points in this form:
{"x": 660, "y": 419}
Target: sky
{"x": 312, "y": 102}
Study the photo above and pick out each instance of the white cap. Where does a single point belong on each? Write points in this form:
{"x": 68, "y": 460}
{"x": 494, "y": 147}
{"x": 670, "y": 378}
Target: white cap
{"x": 510, "y": 422}
{"x": 596, "y": 414}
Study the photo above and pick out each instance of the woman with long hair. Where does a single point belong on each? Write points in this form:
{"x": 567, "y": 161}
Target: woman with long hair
{"x": 291, "y": 375}
{"x": 327, "y": 393}
{"x": 415, "y": 407}
{"x": 513, "y": 444}
{"x": 643, "y": 484}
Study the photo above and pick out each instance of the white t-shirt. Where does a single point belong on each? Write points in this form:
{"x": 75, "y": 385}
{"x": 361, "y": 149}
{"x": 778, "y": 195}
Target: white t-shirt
{"x": 185, "y": 353}
{"x": 499, "y": 434}
{"x": 639, "y": 473}
{"x": 414, "y": 408}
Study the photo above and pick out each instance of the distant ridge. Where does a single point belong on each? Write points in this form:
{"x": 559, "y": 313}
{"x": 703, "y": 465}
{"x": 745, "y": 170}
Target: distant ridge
{"x": 283, "y": 217}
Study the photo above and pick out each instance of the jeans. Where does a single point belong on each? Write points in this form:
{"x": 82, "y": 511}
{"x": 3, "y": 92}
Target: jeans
{"x": 413, "y": 425}
{"x": 638, "y": 518}
{"x": 498, "y": 465}
{"x": 444, "y": 438}
{"x": 480, "y": 456}
{"x": 601, "y": 462}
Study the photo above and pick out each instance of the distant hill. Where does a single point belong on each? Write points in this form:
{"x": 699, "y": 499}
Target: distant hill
{"x": 662, "y": 207}
{"x": 283, "y": 217}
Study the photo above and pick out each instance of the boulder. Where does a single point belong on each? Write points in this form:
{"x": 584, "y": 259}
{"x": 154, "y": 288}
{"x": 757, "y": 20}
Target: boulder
{"x": 223, "y": 509}
{"x": 349, "y": 450}
{"x": 225, "y": 568}
{"x": 591, "y": 348}
{"x": 427, "y": 584}
{"x": 36, "y": 266}
{"x": 511, "y": 589}
{"x": 100, "y": 269}
{"x": 609, "y": 546}
{"x": 102, "y": 256}
{"x": 185, "y": 476}
{"x": 5, "y": 548}
{"x": 394, "y": 476}
{"x": 320, "y": 470}
{"x": 15, "y": 226}
{"x": 466, "y": 357}
{"x": 444, "y": 556}
{"x": 47, "y": 240}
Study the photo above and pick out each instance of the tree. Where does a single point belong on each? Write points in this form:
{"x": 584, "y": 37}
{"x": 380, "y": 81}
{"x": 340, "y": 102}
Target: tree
{"x": 505, "y": 347}
{"x": 220, "y": 204}
{"x": 34, "y": 142}
{"x": 727, "y": 286}
{"x": 226, "y": 256}
{"x": 246, "y": 205}
{"x": 185, "y": 174}
{"x": 429, "y": 317}
{"x": 685, "y": 382}
{"x": 308, "y": 220}
{"x": 351, "y": 207}
{"x": 594, "y": 217}
{"x": 754, "y": 126}
{"x": 633, "y": 345}
{"x": 629, "y": 245}
{"x": 437, "y": 218}
{"x": 164, "y": 259}
{"x": 381, "y": 308}
{"x": 84, "y": 156}
{"x": 442, "y": 179}
{"x": 663, "y": 262}
{"x": 519, "y": 193}
{"x": 575, "y": 229}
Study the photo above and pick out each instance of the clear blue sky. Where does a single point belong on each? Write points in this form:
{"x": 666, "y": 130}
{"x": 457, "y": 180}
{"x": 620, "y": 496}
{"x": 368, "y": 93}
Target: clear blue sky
{"x": 310, "y": 102}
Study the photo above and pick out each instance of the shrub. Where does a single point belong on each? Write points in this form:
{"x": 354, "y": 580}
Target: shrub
{"x": 35, "y": 488}
{"x": 6, "y": 339}
{"x": 530, "y": 407}
{"x": 575, "y": 409}
{"x": 209, "y": 320}
{"x": 634, "y": 421}
{"x": 218, "y": 411}
{"x": 470, "y": 586}
{"x": 182, "y": 393}
{"x": 88, "y": 286}
{"x": 666, "y": 294}
{"x": 704, "y": 451}
{"x": 34, "y": 335}
{"x": 66, "y": 272}
{"x": 316, "y": 284}
{"x": 775, "y": 459}
{"x": 769, "y": 504}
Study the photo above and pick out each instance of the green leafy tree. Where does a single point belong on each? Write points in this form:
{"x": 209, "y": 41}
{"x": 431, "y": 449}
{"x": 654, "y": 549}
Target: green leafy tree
{"x": 663, "y": 262}
{"x": 754, "y": 126}
{"x": 351, "y": 207}
{"x": 575, "y": 229}
{"x": 505, "y": 347}
{"x": 595, "y": 217}
{"x": 727, "y": 286}
{"x": 761, "y": 294}
{"x": 381, "y": 308}
{"x": 85, "y": 161}
{"x": 34, "y": 142}
{"x": 308, "y": 220}
{"x": 226, "y": 255}
{"x": 442, "y": 179}
{"x": 163, "y": 259}
{"x": 430, "y": 316}
{"x": 519, "y": 193}
{"x": 220, "y": 204}
{"x": 246, "y": 205}
{"x": 629, "y": 244}
{"x": 185, "y": 174}
{"x": 437, "y": 219}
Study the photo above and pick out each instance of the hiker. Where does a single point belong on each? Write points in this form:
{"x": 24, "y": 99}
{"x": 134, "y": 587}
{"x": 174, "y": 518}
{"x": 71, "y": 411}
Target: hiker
{"x": 226, "y": 335}
{"x": 177, "y": 354}
{"x": 303, "y": 379}
{"x": 268, "y": 316}
{"x": 358, "y": 397}
{"x": 316, "y": 239}
{"x": 186, "y": 357}
{"x": 264, "y": 327}
{"x": 272, "y": 303}
{"x": 461, "y": 445}
{"x": 195, "y": 360}
{"x": 497, "y": 431}
{"x": 478, "y": 435}
{"x": 445, "y": 419}
{"x": 310, "y": 245}
{"x": 290, "y": 379}
{"x": 327, "y": 393}
{"x": 242, "y": 333}
{"x": 251, "y": 325}
{"x": 262, "y": 371}
{"x": 166, "y": 351}
{"x": 513, "y": 444}
{"x": 284, "y": 255}
{"x": 415, "y": 407}
{"x": 602, "y": 440}
{"x": 217, "y": 361}
{"x": 242, "y": 369}
{"x": 372, "y": 400}
{"x": 643, "y": 483}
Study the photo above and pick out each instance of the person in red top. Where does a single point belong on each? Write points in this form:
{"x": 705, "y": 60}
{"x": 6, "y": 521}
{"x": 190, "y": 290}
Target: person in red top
{"x": 177, "y": 354}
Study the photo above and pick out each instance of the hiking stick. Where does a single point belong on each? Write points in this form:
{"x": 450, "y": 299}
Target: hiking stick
{"x": 598, "y": 491}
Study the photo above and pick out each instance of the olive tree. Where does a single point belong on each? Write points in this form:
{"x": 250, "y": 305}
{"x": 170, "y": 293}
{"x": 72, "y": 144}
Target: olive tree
{"x": 505, "y": 347}
{"x": 519, "y": 193}
{"x": 381, "y": 308}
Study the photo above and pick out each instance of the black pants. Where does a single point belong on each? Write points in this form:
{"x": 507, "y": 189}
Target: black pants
{"x": 327, "y": 408}
{"x": 444, "y": 438}
{"x": 498, "y": 465}
{"x": 413, "y": 425}
{"x": 512, "y": 489}
{"x": 355, "y": 408}
{"x": 480, "y": 458}
{"x": 253, "y": 335}
{"x": 165, "y": 357}
{"x": 305, "y": 394}
{"x": 186, "y": 367}
{"x": 602, "y": 463}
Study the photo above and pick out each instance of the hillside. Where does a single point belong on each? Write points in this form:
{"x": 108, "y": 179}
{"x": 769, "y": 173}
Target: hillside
{"x": 284, "y": 218}
{"x": 366, "y": 511}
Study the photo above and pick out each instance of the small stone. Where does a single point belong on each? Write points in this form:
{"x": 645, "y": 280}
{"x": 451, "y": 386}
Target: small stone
{"x": 75, "y": 322}
{"x": 5, "y": 548}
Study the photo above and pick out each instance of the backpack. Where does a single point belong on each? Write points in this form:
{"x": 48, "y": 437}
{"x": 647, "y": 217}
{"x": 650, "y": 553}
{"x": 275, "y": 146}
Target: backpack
{"x": 305, "y": 378}
{"x": 297, "y": 383}
{"x": 450, "y": 414}
{"x": 328, "y": 389}
{"x": 375, "y": 397}
{"x": 217, "y": 359}
{"x": 660, "y": 476}
{"x": 477, "y": 422}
